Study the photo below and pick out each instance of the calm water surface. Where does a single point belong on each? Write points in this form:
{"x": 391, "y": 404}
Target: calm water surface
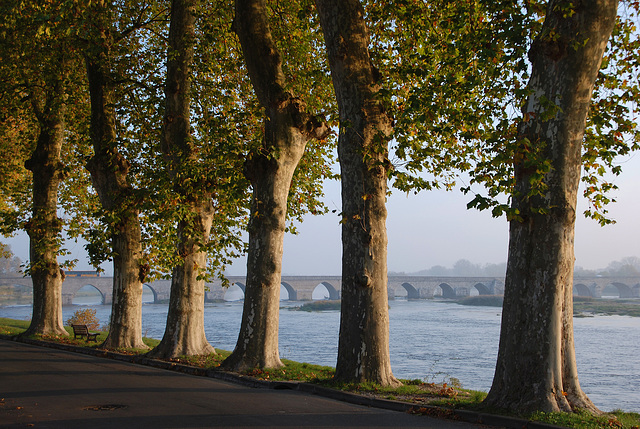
{"x": 431, "y": 340}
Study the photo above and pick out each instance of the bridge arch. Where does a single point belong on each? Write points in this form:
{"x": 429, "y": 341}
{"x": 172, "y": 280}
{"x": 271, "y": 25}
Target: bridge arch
{"x": 292, "y": 295}
{"x": 412, "y": 292}
{"x": 482, "y": 289}
{"x": 154, "y": 293}
{"x": 624, "y": 291}
{"x": 447, "y": 290}
{"x": 334, "y": 294}
{"x": 581, "y": 289}
{"x": 87, "y": 289}
{"x": 235, "y": 292}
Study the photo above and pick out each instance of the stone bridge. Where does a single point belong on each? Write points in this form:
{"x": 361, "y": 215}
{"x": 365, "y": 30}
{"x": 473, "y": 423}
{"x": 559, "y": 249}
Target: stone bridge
{"x": 301, "y": 288}
{"x": 625, "y": 287}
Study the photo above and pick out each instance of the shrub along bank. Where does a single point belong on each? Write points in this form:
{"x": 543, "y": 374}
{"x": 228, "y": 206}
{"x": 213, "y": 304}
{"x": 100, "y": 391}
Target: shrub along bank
{"x": 582, "y": 306}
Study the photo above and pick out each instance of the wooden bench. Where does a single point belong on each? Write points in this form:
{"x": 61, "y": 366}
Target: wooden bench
{"x": 82, "y": 331}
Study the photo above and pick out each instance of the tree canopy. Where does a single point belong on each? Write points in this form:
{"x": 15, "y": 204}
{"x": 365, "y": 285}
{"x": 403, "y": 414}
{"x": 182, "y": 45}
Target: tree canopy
{"x": 220, "y": 129}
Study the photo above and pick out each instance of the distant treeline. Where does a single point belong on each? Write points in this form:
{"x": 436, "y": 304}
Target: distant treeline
{"x": 625, "y": 267}
{"x": 9, "y": 263}
{"x": 462, "y": 268}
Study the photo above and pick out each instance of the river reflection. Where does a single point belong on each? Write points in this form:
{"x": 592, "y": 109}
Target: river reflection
{"x": 431, "y": 340}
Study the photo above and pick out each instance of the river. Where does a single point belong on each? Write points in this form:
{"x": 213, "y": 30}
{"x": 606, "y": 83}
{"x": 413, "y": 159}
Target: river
{"x": 431, "y": 340}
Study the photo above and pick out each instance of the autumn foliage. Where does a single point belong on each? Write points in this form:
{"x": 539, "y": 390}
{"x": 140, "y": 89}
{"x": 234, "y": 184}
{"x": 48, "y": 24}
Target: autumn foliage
{"x": 85, "y": 317}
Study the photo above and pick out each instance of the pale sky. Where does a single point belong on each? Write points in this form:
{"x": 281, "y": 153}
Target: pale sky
{"x": 435, "y": 228}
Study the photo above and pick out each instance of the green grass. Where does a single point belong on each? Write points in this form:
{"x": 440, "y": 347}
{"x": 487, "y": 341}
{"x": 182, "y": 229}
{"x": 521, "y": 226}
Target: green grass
{"x": 16, "y": 327}
{"x": 149, "y": 342}
{"x": 13, "y": 326}
{"x": 294, "y": 371}
{"x": 466, "y": 399}
{"x": 291, "y": 371}
{"x": 608, "y": 307}
{"x": 324, "y": 305}
{"x": 416, "y": 391}
{"x": 584, "y": 420}
{"x": 210, "y": 361}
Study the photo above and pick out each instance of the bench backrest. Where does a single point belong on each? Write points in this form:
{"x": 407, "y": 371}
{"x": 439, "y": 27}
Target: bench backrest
{"x": 80, "y": 329}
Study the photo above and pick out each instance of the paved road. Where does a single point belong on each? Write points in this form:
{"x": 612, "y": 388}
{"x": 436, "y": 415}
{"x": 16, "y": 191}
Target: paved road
{"x": 46, "y": 388}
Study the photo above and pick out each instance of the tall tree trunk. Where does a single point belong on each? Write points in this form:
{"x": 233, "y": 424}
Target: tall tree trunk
{"x": 184, "y": 333}
{"x": 536, "y": 367}
{"x": 288, "y": 128}
{"x": 109, "y": 170}
{"x": 44, "y": 227}
{"x": 365, "y": 129}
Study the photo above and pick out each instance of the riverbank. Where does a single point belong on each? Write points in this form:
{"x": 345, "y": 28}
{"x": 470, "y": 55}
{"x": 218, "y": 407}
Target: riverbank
{"x": 324, "y": 305}
{"x": 582, "y": 306}
{"x": 415, "y": 396}
{"x": 588, "y": 307}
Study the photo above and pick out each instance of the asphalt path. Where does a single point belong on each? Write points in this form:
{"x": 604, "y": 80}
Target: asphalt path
{"x": 48, "y": 388}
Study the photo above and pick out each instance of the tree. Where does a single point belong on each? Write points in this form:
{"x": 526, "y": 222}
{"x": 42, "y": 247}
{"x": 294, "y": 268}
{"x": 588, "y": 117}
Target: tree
{"x": 110, "y": 176}
{"x": 536, "y": 367}
{"x": 365, "y": 130}
{"x": 18, "y": 132}
{"x": 44, "y": 227}
{"x": 9, "y": 263}
{"x": 184, "y": 333}
{"x": 456, "y": 84}
{"x": 176, "y": 191}
{"x": 494, "y": 270}
{"x": 288, "y": 127}
{"x": 464, "y": 267}
{"x": 38, "y": 82}
{"x": 626, "y": 267}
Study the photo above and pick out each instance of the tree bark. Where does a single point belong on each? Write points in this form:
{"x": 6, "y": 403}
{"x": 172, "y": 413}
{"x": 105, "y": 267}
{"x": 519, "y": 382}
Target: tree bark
{"x": 44, "y": 227}
{"x": 109, "y": 170}
{"x": 536, "y": 367}
{"x": 288, "y": 128}
{"x": 184, "y": 333}
{"x": 365, "y": 129}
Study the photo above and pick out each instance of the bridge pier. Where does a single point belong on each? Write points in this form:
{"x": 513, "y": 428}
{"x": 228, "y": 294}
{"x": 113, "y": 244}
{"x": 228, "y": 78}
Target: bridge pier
{"x": 67, "y": 300}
